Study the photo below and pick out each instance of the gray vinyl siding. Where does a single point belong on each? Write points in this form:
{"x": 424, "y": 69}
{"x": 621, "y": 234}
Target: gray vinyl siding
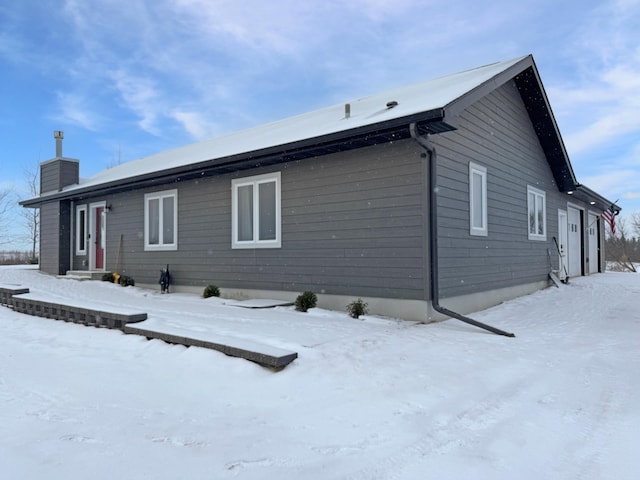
{"x": 50, "y": 241}
{"x": 58, "y": 173}
{"x": 54, "y": 235}
{"x": 352, "y": 223}
{"x": 49, "y": 178}
{"x": 496, "y": 133}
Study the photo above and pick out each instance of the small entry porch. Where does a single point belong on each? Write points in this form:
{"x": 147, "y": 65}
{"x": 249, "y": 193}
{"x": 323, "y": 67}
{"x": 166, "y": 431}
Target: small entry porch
{"x": 85, "y": 274}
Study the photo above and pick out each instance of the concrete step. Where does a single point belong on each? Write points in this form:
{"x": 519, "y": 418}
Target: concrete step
{"x": 84, "y": 274}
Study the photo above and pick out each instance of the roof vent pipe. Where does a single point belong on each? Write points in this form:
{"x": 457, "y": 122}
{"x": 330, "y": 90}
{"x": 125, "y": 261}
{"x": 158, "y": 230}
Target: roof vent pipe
{"x": 347, "y": 110}
{"x": 58, "y": 135}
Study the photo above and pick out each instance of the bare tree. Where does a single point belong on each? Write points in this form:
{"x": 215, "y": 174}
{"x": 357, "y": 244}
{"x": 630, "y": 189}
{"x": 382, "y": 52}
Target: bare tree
{"x": 6, "y": 203}
{"x": 618, "y": 248}
{"x": 32, "y": 215}
{"x": 635, "y": 223}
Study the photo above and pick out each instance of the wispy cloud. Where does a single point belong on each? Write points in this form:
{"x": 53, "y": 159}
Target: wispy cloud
{"x": 182, "y": 65}
{"x": 615, "y": 173}
{"x": 618, "y": 180}
{"x": 75, "y": 109}
{"x": 140, "y": 95}
{"x": 605, "y": 128}
{"x": 215, "y": 54}
{"x": 198, "y": 126}
{"x": 601, "y": 102}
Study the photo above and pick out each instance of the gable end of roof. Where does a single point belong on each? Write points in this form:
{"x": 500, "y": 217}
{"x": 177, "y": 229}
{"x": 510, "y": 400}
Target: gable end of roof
{"x": 544, "y": 123}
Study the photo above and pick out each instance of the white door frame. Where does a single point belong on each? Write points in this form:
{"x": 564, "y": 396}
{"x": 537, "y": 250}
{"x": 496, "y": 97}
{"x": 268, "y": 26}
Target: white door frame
{"x": 563, "y": 263}
{"x": 92, "y": 228}
{"x": 593, "y": 237}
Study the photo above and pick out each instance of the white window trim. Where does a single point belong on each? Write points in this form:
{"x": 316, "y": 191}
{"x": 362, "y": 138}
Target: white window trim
{"x": 473, "y": 230}
{"x": 543, "y": 196}
{"x": 81, "y": 208}
{"x": 255, "y": 181}
{"x": 159, "y": 196}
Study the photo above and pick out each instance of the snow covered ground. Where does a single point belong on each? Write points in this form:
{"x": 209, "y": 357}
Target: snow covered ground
{"x": 366, "y": 399}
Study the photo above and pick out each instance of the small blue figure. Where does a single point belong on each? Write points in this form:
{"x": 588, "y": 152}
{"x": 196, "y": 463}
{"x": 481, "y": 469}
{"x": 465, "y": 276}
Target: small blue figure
{"x": 165, "y": 280}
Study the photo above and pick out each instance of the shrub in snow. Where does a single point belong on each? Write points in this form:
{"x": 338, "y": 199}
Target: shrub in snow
{"x": 305, "y": 301}
{"x": 211, "y": 291}
{"x": 357, "y": 308}
{"x": 127, "y": 281}
{"x": 108, "y": 277}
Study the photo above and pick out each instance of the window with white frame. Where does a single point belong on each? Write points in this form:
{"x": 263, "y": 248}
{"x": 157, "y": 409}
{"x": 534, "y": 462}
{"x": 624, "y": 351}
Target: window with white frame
{"x": 161, "y": 220}
{"x": 256, "y": 211}
{"x": 536, "y": 208}
{"x": 81, "y": 230}
{"x": 477, "y": 200}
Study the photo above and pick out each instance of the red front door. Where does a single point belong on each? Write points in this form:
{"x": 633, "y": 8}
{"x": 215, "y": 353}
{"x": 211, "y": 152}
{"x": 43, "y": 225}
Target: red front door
{"x": 98, "y": 236}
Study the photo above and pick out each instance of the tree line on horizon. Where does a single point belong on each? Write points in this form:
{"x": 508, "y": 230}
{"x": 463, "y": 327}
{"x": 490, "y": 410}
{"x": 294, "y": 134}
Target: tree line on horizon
{"x": 30, "y": 221}
{"x": 622, "y": 250}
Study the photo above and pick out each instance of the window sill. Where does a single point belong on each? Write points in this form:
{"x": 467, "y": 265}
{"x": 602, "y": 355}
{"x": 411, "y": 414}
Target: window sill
{"x": 160, "y": 248}
{"x": 538, "y": 238}
{"x": 248, "y": 245}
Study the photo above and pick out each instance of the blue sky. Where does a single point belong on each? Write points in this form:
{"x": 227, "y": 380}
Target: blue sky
{"x": 128, "y": 79}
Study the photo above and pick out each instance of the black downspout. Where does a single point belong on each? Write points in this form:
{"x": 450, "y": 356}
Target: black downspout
{"x": 433, "y": 238}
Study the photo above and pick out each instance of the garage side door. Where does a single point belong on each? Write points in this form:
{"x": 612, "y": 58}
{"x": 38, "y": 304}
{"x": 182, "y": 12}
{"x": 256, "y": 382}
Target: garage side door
{"x": 574, "y": 253}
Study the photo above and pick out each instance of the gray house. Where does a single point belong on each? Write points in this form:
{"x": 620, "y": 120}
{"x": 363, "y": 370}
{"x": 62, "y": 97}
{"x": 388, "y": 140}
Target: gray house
{"x": 457, "y": 191}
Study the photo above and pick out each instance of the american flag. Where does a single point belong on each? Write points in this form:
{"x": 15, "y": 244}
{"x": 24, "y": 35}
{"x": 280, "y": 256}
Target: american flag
{"x": 610, "y": 217}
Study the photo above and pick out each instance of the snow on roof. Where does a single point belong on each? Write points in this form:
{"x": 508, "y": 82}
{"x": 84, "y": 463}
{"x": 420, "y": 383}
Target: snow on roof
{"x": 422, "y": 97}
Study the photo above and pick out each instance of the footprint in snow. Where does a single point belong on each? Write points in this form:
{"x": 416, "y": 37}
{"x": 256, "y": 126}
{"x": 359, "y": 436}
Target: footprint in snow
{"x": 263, "y": 462}
{"x": 78, "y": 439}
{"x": 178, "y": 442}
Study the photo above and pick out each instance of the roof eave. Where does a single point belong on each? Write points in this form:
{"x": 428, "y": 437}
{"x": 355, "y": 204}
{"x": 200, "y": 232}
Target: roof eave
{"x": 392, "y": 130}
{"x": 544, "y": 123}
{"x": 593, "y": 199}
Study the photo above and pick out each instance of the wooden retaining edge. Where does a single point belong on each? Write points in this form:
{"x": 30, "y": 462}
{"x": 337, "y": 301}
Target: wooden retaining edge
{"x": 274, "y": 361}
